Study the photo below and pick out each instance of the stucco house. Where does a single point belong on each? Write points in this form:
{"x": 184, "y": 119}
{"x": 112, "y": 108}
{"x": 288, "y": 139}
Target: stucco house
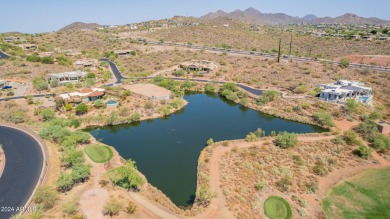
{"x": 67, "y": 77}
{"x": 342, "y": 90}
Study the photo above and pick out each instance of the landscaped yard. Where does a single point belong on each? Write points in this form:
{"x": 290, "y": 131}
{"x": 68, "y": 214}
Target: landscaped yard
{"x": 365, "y": 196}
{"x": 277, "y": 208}
{"x": 99, "y": 153}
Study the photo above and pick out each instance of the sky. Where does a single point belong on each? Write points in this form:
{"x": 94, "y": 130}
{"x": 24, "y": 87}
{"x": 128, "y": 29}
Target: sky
{"x": 34, "y": 16}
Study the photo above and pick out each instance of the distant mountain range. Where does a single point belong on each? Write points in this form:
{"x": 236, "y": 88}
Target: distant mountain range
{"x": 251, "y": 15}
{"x": 80, "y": 26}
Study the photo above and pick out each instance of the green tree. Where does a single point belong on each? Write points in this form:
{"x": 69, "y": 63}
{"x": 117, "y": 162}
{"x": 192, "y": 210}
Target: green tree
{"x": 268, "y": 96}
{"x": 350, "y": 137}
{"x": 251, "y": 137}
{"x": 82, "y": 108}
{"x": 286, "y": 140}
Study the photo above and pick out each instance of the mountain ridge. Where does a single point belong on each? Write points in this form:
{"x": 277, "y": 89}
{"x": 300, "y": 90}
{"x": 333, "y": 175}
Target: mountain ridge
{"x": 252, "y": 15}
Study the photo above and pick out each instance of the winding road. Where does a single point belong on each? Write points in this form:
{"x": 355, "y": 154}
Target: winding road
{"x": 22, "y": 171}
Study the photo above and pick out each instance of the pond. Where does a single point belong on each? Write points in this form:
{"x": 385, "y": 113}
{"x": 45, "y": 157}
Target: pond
{"x": 167, "y": 149}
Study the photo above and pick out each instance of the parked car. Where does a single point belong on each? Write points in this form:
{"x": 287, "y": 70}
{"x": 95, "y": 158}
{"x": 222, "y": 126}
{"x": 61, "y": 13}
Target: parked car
{"x": 7, "y": 87}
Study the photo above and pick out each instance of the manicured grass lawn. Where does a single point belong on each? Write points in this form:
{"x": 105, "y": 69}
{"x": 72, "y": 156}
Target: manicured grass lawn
{"x": 365, "y": 196}
{"x": 277, "y": 208}
{"x": 99, "y": 153}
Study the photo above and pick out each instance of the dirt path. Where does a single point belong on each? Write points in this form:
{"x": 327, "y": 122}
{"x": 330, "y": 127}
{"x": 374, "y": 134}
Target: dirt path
{"x": 217, "y": 208}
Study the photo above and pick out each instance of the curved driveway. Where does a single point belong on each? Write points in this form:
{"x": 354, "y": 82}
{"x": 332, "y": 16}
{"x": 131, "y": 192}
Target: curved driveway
{"x": 24, "y": 164}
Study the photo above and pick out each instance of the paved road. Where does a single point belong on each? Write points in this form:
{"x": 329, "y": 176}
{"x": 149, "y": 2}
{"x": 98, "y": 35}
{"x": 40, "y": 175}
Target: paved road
{"x": 24, "y": 163}
{"x": 3, "y": 55}
{"x": 268, "y": 55}
{"x": 115, "y": 71}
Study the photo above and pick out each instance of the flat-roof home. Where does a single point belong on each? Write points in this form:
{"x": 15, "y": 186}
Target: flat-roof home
{"x": 28, "y": 46}
{"x": 14, "y": 39}
{"x": 383, "y": 127}
{"x": 355, "y": 36}
{"x": 384, "y": 38}
{"x": 367, "y": 37}
{"x": 85, "y": 63}
{"x": 2, "y": 83}
{"x": 123, "y": 52}
{"x": 67, "y": 77}
{"x": 83, "y": 96}
{"x": 342, "y": 90}
{"x": 198, "y": 65}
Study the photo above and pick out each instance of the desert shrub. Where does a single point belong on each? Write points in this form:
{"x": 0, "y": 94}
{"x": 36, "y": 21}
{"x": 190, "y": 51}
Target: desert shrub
{"x": 300, "y": 89}
{"x": 381, "y": 143}
{"x": 210, "y": 141}
{"x": 350, "y": 137}
{"x": 204, "y": 196}
{"x": 284, "y": 184}
{"x": 363, "y": 152}
{"x": 259, "y": 133}
{"x": 375, "y": 115}
{"x": 135, "y": 117}
{"x": 130, "y": 208}
{"x": 286, "y": 140}
{"x": 368, "y": 130}
{"x": 64, "y": 182}
{"x": 210, "y": 87}
{"x": 251, "y": 137}
{"x": 47, "y": 114}
{"x": 260, "y": 185}
{"x": 46, "y": 197}
{"x": 268, "y": 96}
{"x": 320, "y": 168}
{"x": 82, "y": 108}
{"x": 112, "y": 207}
{"x": 70, "y": 208}
{"x": 126, "y": 176}
{"x": 71, "y": 158}
{"x": 68, "y": 107}
{"x": 187, "y": 84}
{"x": 98, "y": 103}
{"x": 47, "y": 60}
{"x": 179, "y": 72}
{"x": 40, "y": 84}
{"x": 351, "y": 106}
{"x": 344, "y": 63}
{"x": 80, "y": 173}
{"x": 148, "y": 105}
{"x": 323, "y": 118}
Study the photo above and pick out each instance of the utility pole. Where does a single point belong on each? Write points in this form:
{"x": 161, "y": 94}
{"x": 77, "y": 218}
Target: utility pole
{"x": 290, "y": 45}
{"x": 280, "y": 42}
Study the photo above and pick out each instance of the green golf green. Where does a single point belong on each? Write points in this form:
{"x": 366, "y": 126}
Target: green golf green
{"x": 277, "y": 208}
{"x": 99, "y": 153}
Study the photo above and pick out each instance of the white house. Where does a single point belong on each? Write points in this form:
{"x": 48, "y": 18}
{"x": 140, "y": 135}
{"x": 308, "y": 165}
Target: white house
{"x": 67, "y": 77}
{"x": 342, "y": 90}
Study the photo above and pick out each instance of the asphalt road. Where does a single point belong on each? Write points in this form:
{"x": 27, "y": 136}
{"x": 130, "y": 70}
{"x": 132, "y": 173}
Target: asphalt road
{"x": 24, "y": 163}
{"x": 3, "y": 56}
{"x": 269, "y": 55}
